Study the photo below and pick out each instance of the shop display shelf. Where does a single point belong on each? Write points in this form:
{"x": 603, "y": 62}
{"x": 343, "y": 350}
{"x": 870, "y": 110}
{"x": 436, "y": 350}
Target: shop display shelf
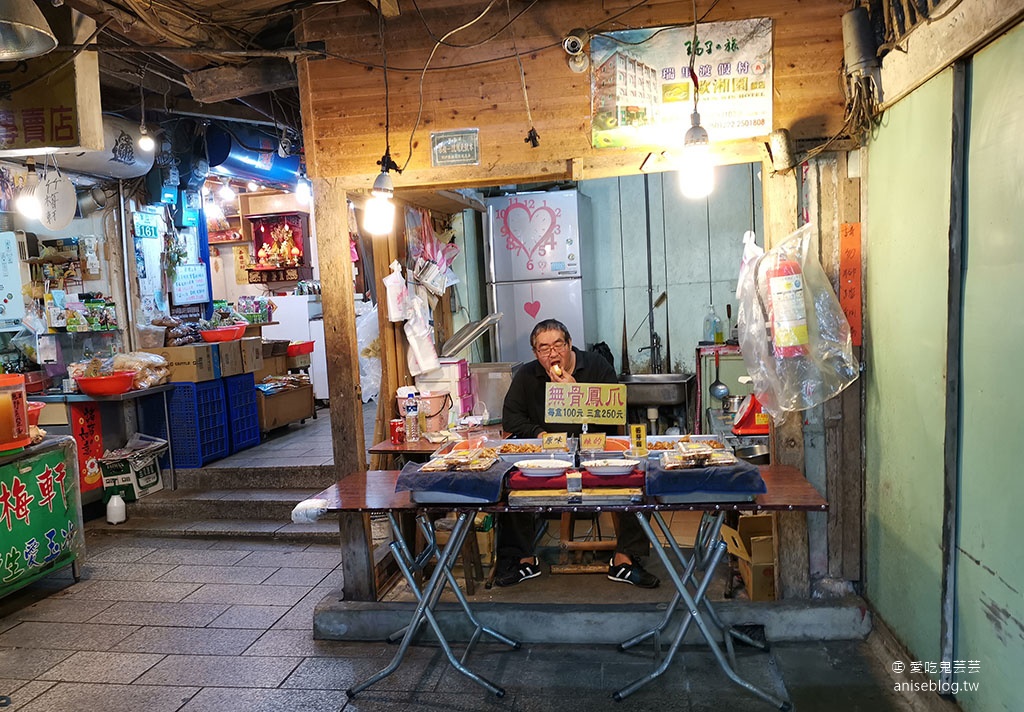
{"x": 243, "y": 415}
{"x": 199, "y": 423}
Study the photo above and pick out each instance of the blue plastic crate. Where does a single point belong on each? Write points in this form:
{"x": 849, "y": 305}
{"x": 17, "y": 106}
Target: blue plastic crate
{"x": 199, "y": 423}
{"x": 243, "y": 415}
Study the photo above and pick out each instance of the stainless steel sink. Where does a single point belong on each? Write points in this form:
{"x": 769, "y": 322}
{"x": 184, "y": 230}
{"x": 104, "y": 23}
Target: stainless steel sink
{"x": 656, "y": 388}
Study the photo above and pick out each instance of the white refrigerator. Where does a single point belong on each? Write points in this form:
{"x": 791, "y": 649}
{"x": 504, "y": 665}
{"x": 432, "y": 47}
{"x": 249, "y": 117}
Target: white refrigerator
{"x": 533, "y": 267}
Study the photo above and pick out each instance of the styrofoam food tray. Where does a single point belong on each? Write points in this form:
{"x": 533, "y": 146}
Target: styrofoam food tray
{"x": 514, "y": 457}
{"x": 543, "y": 468}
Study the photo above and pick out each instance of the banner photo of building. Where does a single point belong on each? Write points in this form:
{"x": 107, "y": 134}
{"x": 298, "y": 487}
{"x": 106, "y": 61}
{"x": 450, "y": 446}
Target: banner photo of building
{"x": 642, "y": 92}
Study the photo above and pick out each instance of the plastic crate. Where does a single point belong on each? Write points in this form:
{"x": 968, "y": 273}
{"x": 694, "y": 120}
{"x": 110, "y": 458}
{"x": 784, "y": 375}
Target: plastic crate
{"x": 243, "y": 416}
{"x": 198, "y": 423}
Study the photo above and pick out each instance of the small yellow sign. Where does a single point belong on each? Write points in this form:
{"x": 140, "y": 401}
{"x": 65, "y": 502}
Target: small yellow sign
{"x": 554, "y": 441}
{"x": 600, "y": 403}
{"x": 592, "y": 442}
{"x": 638, "y": 439}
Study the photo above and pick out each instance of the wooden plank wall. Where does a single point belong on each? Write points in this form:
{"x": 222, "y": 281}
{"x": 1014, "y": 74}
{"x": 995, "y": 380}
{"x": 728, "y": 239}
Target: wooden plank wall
{"x": 343, "y": 97}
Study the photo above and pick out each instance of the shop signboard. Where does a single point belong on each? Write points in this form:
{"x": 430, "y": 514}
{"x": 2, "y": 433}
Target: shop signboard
{"x": 460, "y": 147}
{"x": 54, "y": 103}
{"x": 40, "y": 523}
{"x": 642, "y": 90}
{"x": 592, "y": 403}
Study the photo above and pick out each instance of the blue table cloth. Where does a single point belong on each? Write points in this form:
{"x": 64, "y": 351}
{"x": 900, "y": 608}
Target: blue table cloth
{"x": 741, "y": 478}
{"x": 486, "y": 485}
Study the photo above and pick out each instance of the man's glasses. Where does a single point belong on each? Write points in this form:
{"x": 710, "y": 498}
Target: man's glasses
{"x": 549, "y": 348}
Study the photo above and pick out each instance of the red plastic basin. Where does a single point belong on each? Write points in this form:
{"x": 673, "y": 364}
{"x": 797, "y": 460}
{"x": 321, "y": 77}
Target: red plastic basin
{"x": 298, "y": 348}
{"x": 113, "y": 385}
{"x": 224, "y": 333}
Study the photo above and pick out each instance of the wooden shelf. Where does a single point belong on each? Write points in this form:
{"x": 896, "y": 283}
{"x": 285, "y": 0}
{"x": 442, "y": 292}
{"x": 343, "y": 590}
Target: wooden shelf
{"x": 280, "y": 274}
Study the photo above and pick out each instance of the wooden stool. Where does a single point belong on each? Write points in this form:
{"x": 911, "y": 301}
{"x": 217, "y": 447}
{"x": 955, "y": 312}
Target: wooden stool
{"x": 568, "y": 545}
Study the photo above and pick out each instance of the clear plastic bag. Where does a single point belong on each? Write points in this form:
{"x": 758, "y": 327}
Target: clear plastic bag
{"x": 368, "y": 339}
{"x": 397, "y": 293}
{"x": 794, "y": 336}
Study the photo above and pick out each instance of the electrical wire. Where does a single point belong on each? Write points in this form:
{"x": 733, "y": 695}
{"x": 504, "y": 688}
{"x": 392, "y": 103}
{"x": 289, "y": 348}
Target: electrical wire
{"x": 657, "y": 32}
{"x": 522, "y": 73}
{"x": 423, "y": 74}
{"x": 478, "y": 43}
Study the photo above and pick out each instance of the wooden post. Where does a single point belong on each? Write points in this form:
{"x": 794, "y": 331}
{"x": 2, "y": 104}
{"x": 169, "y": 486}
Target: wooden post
{"x": 792, "y": 579}
{"x": 330, "y": 211}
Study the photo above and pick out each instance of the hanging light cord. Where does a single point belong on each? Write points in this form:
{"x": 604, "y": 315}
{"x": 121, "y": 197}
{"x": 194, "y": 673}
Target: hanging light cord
{"x": 142, "y": 100}
{"x": 693, "y": 59}
{"x": 519, "y": 61}
{"x": 386, "y": 163}
{"x": 707, "y": 213}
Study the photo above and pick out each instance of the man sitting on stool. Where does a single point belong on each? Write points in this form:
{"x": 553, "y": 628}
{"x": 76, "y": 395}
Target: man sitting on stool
{"x": 523, "y": 416}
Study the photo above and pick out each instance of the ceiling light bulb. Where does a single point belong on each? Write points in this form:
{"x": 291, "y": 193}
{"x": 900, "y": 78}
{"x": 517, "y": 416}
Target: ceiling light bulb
{"x": 696, "y": 168}
{"x": 212, "y": 210}
{"x": 383, "y": 186}
{"x": 303, "y": 191}
{"x": 27, "y": 203}
{"x": 146, "y": 142}
{"x": 252, "y": 186}
{"x": 379, "y": 215}
{"x": 227, "y": 193}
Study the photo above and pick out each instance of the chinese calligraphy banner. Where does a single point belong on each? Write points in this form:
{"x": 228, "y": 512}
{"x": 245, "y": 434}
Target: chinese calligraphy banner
{"x": 49, "y": 106}
{"x": 642, "y": 92}
{"x": 40, "y": 517}
{"x": 593, "y": 403}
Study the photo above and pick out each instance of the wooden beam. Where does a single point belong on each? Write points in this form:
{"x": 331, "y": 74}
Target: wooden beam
{"x": 232, "y": 81}
{"x": 388, "y": 7}
{"x": 330, "y": 212}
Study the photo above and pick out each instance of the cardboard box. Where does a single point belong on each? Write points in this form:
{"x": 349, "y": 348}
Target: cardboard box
{"x": 300, "y": 361}
{"x": 134, "y": 475}
{"x": 284, "y": 407}
{"x": 194, "y": 363}
{"x": 753, "y": 543}
{"x": 272, "y": 366}
{"x": 252, "y": 354}
{"x": 230, "y": 357}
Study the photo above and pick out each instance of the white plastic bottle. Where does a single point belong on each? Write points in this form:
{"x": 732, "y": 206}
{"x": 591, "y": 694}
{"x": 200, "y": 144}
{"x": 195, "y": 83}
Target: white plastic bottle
{"x": 412, "y": 419}
{"x": 116, "y": 509}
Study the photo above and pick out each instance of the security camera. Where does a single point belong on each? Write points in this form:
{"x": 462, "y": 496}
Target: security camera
{"x": 284, "y": 148}
{"x": 574, "y": 42}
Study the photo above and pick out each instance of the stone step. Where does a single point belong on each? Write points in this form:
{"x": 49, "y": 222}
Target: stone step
{"x": 325, "y": 531}
{"x": 247, "y": 503}
{"x": 311, "y": 477}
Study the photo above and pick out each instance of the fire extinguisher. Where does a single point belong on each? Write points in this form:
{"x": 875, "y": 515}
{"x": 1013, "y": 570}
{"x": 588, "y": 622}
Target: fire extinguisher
{"x": 786, "y": 309}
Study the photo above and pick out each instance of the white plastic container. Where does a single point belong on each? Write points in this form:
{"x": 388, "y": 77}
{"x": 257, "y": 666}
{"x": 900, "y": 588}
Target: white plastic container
{"x": 116, "y": 509}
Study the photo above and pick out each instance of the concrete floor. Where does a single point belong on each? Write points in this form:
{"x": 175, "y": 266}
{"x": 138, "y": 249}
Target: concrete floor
{"x": 189, "y": 625}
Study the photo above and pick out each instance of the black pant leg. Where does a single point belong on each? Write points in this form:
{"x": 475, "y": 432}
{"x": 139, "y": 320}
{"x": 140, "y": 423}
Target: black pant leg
{"x": 514, "y": 535}
{"x": 631, "y": 540}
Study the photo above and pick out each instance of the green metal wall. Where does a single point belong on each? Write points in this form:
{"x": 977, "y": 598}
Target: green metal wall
{"x": 990, "y": 566}
{"x": 906, "y": 253}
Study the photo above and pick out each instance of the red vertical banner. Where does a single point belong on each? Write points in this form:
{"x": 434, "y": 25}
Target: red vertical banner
{"x": 87, "y": 429}
{"x": 850, "y": 279}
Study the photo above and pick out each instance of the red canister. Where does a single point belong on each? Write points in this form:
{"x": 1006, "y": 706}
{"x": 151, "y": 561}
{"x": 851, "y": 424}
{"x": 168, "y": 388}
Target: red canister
{"x": 397, "y": 431}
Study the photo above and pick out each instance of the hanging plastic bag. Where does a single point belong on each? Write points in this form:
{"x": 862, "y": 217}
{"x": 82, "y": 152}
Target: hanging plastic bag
{"x": 793, "y": 334}
{"x": 397, "y": 293}
{"x": 422, "y": 356}
{"x": 368, "y": 340}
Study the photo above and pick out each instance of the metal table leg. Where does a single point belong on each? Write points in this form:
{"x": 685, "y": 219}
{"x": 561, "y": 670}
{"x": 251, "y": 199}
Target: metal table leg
{"x": 693, "y": 604}
{"x": 427, "y": 599}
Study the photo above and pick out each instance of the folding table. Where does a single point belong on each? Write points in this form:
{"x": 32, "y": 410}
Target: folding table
{"x": 373, "y": 491}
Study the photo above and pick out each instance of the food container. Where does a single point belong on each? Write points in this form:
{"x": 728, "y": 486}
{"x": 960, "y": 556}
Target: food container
{"x": 530, "y": 449}
{"x": 731, "y": 404}
{"x": 543, "y": 468}
{"x": 36, "y": 381}
{"x": 113, "y": 385}
{"x": 610, "y": 466}
{"x": 298, "y": 348}
{"x": 13, "y": 413}
{"x": 34, "y": 409}
{"x": 224, "y": 333}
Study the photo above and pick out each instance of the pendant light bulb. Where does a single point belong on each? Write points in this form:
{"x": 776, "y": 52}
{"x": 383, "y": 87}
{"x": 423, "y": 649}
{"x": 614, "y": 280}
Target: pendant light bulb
{"x": 383, "y": 186}
{"x": 303, "y": 191}
{"x": 252, "y": 186}
{"x": 379, "y": 215}
{"x": 146, "y": 142}
{"x": 27, "y": 203}
{"x": 696, "y": 169}
{"x": 227, "y": 193}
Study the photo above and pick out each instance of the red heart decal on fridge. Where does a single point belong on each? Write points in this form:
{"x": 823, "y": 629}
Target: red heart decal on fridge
{"x": 532, "y": 308}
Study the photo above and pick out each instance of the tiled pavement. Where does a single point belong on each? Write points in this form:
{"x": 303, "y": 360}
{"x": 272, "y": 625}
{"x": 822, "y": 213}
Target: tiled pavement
{"x": 198, "y": 625}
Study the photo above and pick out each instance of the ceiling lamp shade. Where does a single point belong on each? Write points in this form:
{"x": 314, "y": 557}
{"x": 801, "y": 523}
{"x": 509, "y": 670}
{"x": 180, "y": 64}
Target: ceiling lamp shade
{"x": 24, "y": 32}
{"x": 696, "y": 170}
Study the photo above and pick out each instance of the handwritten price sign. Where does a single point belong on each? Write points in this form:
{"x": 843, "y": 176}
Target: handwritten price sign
{"x": 593, "y": 403}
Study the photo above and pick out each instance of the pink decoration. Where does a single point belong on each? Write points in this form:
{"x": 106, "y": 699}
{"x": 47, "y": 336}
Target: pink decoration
{"x": 532, "y": 308}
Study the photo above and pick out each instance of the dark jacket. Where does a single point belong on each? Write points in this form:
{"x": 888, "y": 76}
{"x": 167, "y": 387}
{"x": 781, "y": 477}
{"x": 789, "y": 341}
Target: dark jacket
{"x": 523, "y": 413}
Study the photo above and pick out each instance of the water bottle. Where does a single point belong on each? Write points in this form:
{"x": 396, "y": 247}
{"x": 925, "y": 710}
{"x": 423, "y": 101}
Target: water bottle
{"x": 412, "y": 419}
{"x": 712, "y": 327}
